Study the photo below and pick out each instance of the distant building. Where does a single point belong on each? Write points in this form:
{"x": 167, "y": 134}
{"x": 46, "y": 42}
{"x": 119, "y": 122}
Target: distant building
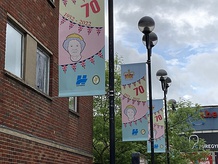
{"x": 36, "y": 126}
{"x": 207, "y": 129}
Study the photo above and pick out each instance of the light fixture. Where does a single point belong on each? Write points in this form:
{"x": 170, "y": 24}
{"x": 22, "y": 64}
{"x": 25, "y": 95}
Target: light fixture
{"x": 165, "y": 83}
{"x": 146, "y": 26}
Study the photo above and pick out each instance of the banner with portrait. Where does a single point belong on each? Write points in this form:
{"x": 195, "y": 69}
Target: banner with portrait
{"x": 133, "y": 100}
{"x": 158, "y": 127}
{"x": 81, "y": 48}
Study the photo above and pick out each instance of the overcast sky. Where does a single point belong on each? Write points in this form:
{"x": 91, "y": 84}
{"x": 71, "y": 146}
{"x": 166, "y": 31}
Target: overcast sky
{"x": 187, "y": 45}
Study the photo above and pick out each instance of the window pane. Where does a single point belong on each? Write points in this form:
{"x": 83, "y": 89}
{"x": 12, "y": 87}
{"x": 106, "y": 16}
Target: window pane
{"x": 42, "y": 70}
{"x": 13, "y": 58}
{"x": 73, "y": 103}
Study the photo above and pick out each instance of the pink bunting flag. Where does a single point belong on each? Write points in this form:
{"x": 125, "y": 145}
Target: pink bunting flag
{"x": 100, "y": 54}
{"x": 83, "y": 64}
{"x": 80, "y": 28}
{"x": 64, "y": 68}
{"x": 98, "y": 29}
{"x": 64, "y": 2}
{"x": 92, "y": 60}
{"x": 73, "y": 66}
{"x": 89, "y": 29}
{"x": 63, "y": 21}
{"x": 71, "y": 25}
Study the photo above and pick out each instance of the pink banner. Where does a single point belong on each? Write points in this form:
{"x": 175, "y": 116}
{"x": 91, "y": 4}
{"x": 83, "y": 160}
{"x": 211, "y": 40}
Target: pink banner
{"x": 133, "y": 98}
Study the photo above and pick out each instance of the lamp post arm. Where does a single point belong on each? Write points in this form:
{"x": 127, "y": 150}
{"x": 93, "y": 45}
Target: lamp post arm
{"x": 163, "y": 84}
{"x": 148, "y": 42}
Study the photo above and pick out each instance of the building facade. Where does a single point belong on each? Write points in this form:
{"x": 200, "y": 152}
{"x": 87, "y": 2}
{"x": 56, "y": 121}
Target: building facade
{"x": 36, "y": 126}
{"x": 207, "y": 129}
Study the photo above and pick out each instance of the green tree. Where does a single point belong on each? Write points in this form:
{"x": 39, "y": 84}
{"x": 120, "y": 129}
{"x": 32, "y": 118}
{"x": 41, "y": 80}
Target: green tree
{"x": 183, "y": 149}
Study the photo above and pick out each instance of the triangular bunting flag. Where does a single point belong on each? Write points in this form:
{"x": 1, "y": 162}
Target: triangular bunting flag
{"x": 64, "y": 2}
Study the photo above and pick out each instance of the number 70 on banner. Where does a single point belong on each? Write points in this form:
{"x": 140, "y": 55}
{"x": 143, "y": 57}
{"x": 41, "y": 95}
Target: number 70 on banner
{"x": 140, "y": 89}
{"x": 93, "y": 5}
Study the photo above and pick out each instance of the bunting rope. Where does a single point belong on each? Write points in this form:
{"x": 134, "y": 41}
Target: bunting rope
{"x": 66, "y": 1}
{"x": 155, "y": 113}
{"x": 133, "y": 83}
{"x": 123, "y": 97}
{"x": 83, "y": 62}
{"x": 159, "y": 138}
{"x": 80, "y": 27}
{"x": 135, "y": 121}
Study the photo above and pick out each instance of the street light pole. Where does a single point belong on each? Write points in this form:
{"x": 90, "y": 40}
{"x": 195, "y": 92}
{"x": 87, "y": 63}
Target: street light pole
{"x": 167, "y": 136}
{"x": 111, "y": 82}
{"x": 165, "y": 81}
{"x": 146, "y": 26}
{"x": 172, "y": 102}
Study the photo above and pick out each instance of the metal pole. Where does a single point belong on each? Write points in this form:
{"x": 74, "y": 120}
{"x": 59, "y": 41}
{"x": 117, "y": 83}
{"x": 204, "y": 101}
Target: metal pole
{"x": 111, "y": 82}
{"x": 150, "y": 98}
{"x": 167, "y": 138}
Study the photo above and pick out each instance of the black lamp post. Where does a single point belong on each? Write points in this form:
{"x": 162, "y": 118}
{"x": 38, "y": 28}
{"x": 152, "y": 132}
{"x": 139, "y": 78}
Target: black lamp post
{"x": 172, "y": 102}
{"x": 146, "y": 26}
{"x": 165, "y": 83}
{"x": 111, "y": 81}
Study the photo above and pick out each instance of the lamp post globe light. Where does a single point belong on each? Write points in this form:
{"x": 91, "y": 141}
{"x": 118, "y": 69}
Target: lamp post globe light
{"x": 146, "y": 26}
{"x": 172, "y": 102}
{"x": 165, "y": 83}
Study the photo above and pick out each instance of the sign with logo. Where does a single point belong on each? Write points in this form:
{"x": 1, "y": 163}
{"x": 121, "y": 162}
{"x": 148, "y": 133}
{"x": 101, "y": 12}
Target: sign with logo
{"x": 81, "y": 48}
{"x": 158, "y": 127}
{"x": 209, "y": 121}
{"x": 133, "y": 100}
{"x": 211, "y": 140}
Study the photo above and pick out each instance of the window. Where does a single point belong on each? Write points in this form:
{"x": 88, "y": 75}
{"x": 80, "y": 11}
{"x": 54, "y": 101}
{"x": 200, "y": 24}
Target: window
{"x": 26, "y": 57}
{"x": 42, "y": 71}
{"x": 14, "y": 50}
{"x": 52, "y": 2}
{"x": 73, "y": 104}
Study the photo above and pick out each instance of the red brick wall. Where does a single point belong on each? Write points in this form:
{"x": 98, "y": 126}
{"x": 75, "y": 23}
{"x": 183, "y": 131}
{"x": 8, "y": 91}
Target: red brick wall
{"x": 17, "y": 150}
{"x": 26, "y": 111}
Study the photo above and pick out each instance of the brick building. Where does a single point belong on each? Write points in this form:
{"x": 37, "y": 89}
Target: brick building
{"x": 36, "y": 126}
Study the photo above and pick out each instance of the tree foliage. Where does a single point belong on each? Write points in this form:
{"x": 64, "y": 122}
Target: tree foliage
{"x": 182, "y": 150}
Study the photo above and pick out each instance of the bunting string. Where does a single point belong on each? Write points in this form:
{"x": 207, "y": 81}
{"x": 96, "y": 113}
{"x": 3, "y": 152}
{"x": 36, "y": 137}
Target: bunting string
{"x": 80, "y": 27}
{"x": 133, "y": 83}
{"x": 159, "y": 138}
{"x": 65, "y": 2}
{"x": 123, "y": 97}
{"x": 83, "y": 62}
{"x": 135, "y": 121}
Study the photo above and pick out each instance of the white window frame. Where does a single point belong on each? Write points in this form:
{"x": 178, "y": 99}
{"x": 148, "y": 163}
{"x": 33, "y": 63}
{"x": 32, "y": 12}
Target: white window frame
{"x": 73, "y": 104}
{"x": 45, "y": 76}
{"x": 20, "y": 55}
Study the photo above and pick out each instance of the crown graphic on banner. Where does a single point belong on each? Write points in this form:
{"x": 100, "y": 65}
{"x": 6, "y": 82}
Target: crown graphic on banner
{"x": 128, "y": 75}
